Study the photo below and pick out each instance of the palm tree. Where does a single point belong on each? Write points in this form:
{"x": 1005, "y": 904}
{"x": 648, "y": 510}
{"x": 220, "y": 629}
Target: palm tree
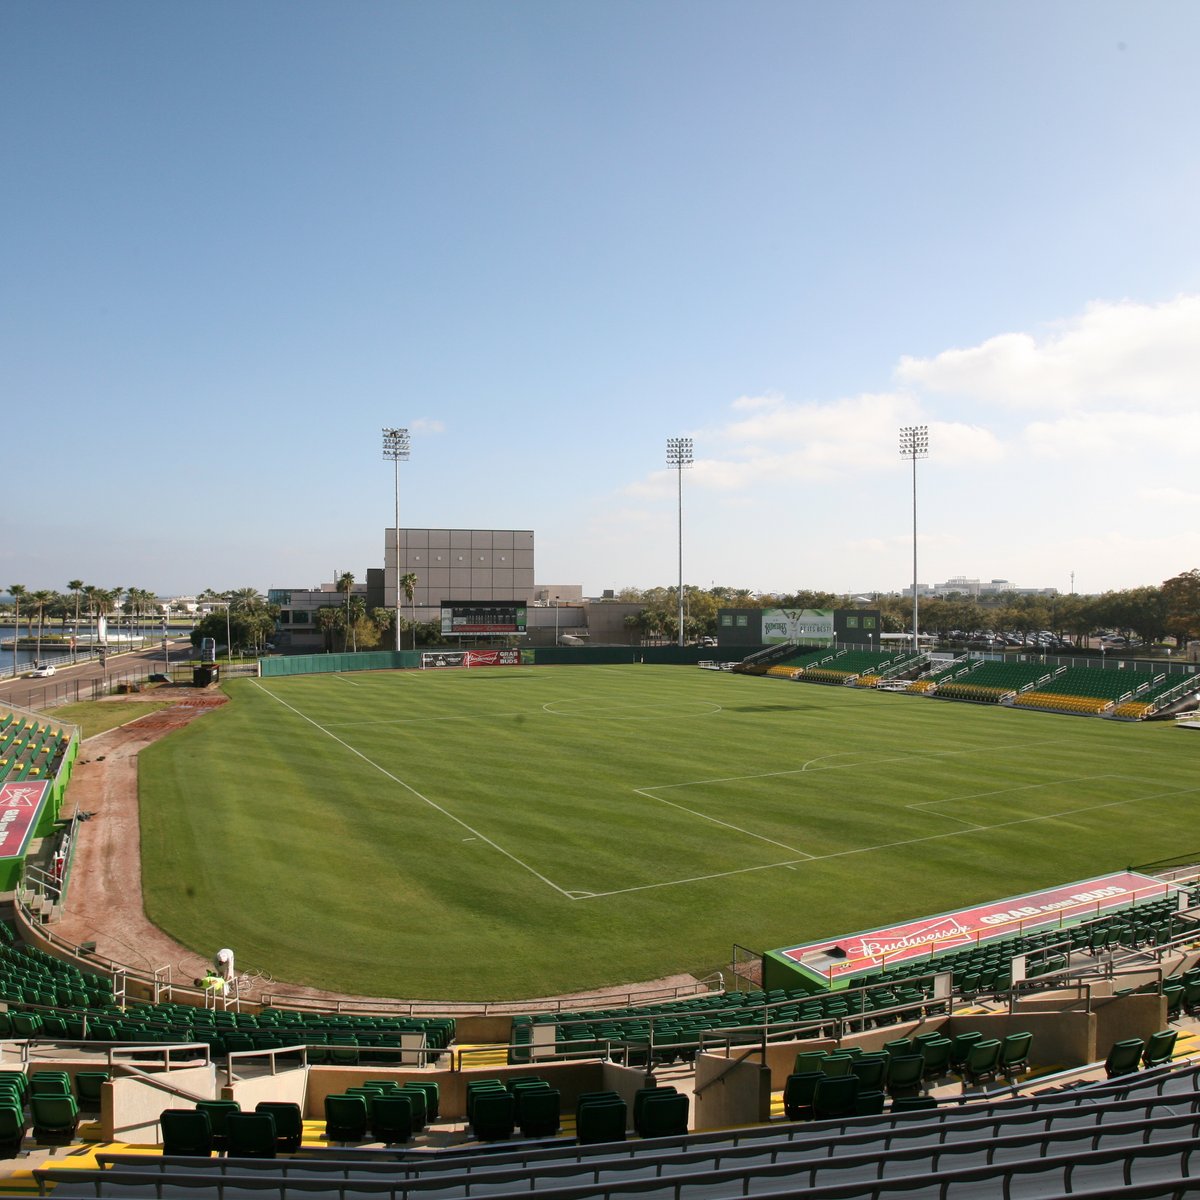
{"x": 18, "y": 591}
{"x": 355, "y": 611}
{"x": 409, "y": 584}
{"x": 39, "y": 600}
{"x": 245, "y": 599}
{"x": 345, "y": 583}
{"x": 76, "y": 588}
{"x": 327, "y": 620}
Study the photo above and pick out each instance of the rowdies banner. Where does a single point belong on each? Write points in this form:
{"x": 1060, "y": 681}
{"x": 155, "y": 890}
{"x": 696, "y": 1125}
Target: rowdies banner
{"x": 784, "y": 625}
{"x": 1066, "y": 905}
{"x": 20, "y": 806}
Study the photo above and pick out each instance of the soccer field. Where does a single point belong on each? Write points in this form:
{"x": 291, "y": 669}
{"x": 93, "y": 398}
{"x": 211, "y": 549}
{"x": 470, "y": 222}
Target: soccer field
{"x": 506, "y": 832}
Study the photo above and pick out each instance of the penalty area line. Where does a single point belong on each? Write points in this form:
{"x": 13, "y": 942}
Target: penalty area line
{"x": 933, "y": 837}
{"x": 408, "y": 787}
{"x": 649, "y": 794}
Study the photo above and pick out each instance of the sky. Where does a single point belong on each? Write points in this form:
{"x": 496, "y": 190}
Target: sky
{"x": 242, "y": 237}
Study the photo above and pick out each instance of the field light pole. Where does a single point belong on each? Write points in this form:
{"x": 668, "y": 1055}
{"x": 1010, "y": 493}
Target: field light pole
{"x": 914, "y": 444}
{"x": 395, "y": 447}
{"x": 679, "y": 456}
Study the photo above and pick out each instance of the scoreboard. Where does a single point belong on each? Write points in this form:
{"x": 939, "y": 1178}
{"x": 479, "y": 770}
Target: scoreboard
{"x": 466, "y": 618}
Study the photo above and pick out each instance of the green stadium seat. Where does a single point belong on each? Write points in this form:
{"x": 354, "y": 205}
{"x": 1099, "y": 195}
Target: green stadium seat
{"x": 345, "y": 1118}
{"x": 539, "y": 1112}
{"x": 289, "y": 1124}
{"x": 1124, "y": 1058}
{"x": 391, "y": 1117}
{"x": 250, "y": 1135}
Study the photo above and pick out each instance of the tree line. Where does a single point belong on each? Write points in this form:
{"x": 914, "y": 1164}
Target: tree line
{"x": 1152, "y": 612}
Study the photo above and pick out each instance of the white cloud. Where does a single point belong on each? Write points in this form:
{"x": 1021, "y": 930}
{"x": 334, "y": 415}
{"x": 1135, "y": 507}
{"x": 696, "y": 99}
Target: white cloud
{"x": 427, "y": 425}
{"x": 1117, "y": 435}
{"x": 782, "y": 442}
{"x": 1134, "y": 355}
{"x": 1168, "y": 495}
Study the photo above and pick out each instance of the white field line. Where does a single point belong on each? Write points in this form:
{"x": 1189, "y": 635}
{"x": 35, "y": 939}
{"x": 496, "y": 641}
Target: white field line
{"x": 933, "y": 837}
{"x": 619, "y": 712}
{"x": 923, "y": 805}
{"x": 351, "y": 682}
{"x": 920, "y": 755}
{"x": 649, "y": 794}
{"x": 413, "y": 791}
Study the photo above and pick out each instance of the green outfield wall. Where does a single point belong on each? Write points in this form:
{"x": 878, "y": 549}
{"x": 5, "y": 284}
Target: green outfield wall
{"x": 542, "y": 656}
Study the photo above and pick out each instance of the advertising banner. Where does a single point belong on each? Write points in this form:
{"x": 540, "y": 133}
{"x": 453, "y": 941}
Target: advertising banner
{"x": 444, "y": 659}
{"x": 1066, "y": 905}
{"x": 493, "y": 658}
{"x": 435, "y": 660}
{"x": 811, "y": 625}
{"x": 20, "y": 806}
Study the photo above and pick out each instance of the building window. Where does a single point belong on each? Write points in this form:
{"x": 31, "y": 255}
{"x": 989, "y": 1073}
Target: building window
{"x": 743, "y": 621}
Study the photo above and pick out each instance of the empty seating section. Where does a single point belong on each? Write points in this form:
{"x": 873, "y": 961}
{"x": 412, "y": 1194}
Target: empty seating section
{"x": 1136, "y": 1132}
{"x": 50, "y": 998}
{"x": 958, "y": 669}
{"x": 1087, "y": 691}
{"x": 991, "y": 682}
{"x": 847, "y": 665}
{"x": 1131, "y": 692}
{"x": 30, "y": 748}
{"x": 790, "y": 666}
{"x": 1161, "y": 693}
{"x": 670, "y": 1032}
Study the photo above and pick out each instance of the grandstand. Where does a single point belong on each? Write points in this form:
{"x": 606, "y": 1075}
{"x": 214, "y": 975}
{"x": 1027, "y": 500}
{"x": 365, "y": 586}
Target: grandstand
{"x": 843, "y": 665}
{"x": 914, "y": 1077}
{"x": 1132, "y": 692}
{"x": 903, "y": 1093}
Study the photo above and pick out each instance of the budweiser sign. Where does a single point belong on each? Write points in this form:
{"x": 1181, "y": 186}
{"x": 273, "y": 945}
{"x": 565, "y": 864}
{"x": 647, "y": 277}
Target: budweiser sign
{"x": 860, "y": 953}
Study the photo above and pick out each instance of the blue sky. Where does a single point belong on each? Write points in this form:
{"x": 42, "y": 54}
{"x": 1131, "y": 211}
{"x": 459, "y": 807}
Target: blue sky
{"x": 242, "y": 237}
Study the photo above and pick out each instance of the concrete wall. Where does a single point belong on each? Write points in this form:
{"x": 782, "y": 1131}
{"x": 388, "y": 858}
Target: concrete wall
{"x": 571, "y": 1079}
{"x": 289, "y": 1086}
{"x": 730, "y": 1092}
{"x": 130, "y": 1107}
{"x": 1064, "y": 1033}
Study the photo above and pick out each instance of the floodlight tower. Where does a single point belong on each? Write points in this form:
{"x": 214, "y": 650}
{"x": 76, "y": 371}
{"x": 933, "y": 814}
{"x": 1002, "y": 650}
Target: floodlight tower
{"x": 679, "y": 456}
{"x": 914, "y": 444}
{"x": 395, "y": 447}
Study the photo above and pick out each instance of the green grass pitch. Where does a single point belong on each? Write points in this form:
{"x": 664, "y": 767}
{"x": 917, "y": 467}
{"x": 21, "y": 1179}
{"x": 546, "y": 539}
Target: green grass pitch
{"x": 491, "y": 834}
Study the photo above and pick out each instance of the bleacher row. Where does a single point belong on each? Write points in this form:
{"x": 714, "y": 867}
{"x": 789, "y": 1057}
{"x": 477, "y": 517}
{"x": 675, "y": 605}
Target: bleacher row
{"x": 30, "y": 749}
{"x": 1131, "y": 692}
{"x": 47, "y": 997}
{"x": 673, "y": 1029}
{"x": 1135, "y": 1136}
{"x": 45, "y": 1104}
{"x": 865, "y": 667}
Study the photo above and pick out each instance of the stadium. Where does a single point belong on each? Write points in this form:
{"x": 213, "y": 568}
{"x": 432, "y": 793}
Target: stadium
{"x": 772, "y": 917}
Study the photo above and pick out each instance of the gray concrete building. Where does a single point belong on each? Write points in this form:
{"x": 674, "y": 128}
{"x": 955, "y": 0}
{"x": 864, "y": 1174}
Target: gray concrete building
{"x": 459, "y": 564}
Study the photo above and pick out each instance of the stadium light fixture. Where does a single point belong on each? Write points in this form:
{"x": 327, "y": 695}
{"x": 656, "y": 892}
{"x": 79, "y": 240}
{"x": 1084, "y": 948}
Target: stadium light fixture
{"x": 679, "y": 456}
{"x": 396, "y": 446}
{"x": 914, "y": 444}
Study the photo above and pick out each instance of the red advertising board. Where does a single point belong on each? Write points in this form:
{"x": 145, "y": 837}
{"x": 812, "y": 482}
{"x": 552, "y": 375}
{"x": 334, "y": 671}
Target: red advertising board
{"x": 20, "y": 807}
{"x": 858, "y": 953}
{"x": 442, "y": 659}
{"x": 493, "y": 658}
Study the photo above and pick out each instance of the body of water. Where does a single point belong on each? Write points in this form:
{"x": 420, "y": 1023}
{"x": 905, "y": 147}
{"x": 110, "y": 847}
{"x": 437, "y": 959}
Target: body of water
{"x": 57, "y": 652}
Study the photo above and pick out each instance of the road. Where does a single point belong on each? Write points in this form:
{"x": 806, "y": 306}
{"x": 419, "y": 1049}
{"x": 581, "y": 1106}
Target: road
{"x": 87, "y": 679}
